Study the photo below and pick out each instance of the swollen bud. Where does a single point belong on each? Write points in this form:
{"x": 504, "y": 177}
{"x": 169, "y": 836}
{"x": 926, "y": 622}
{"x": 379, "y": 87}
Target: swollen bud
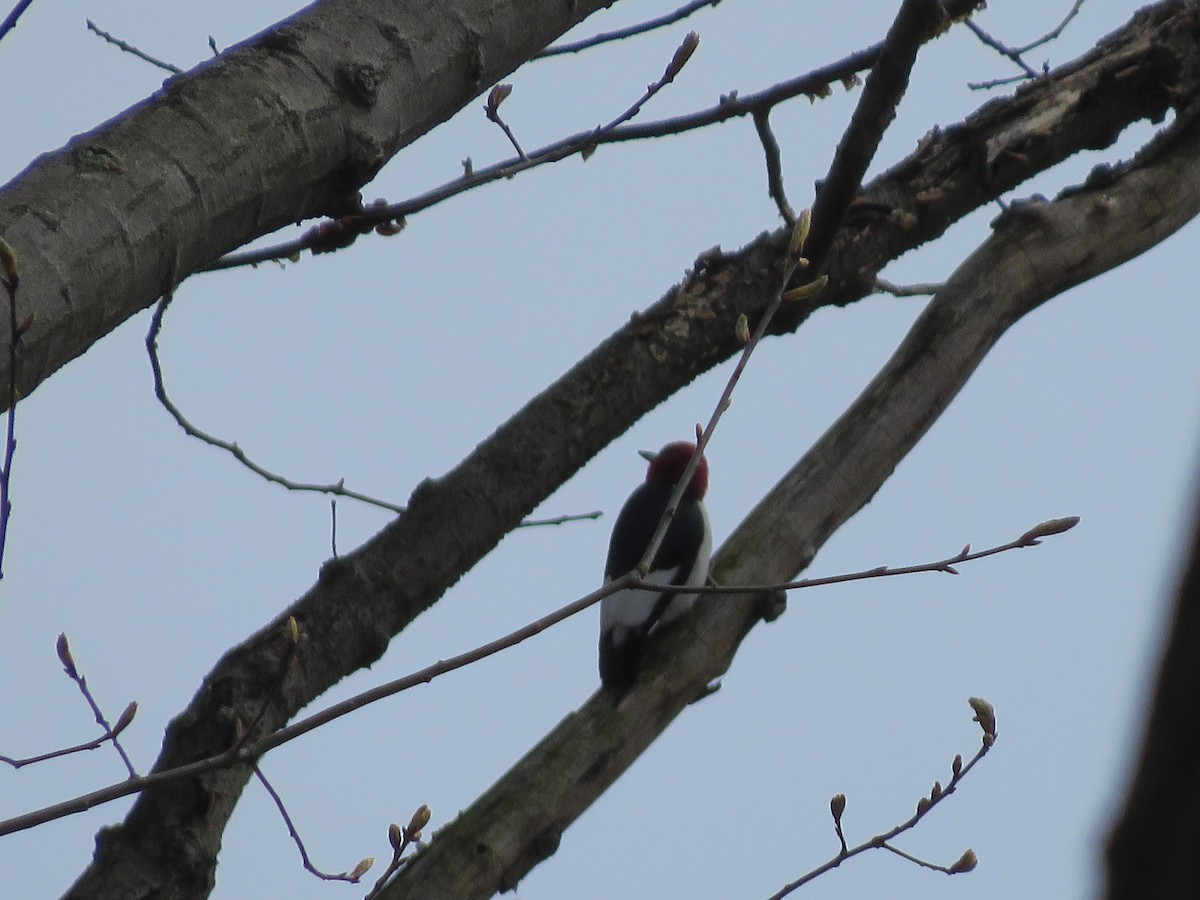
{"x": 800, "y": 232}
{"x": 497, "y": 96}
{"x": 956, "y": 766}
{"x": 64, "y": 655}
{"x": 419, "y": 820}
{"x": 125, "y": 718}
{"x": 361, "y": 869}
{"x": 1047, "y": 528}
{"x": 691, "y": 41}
{"x": 966, "y": 863}
{"x": 807, "y": 290}
{"x": 742, "y": 329}
{"x": 985, "y": 715}
{"x": 837, "y": 806}
{"x": 10, "y": 264}
{"x": 395, "y": 836}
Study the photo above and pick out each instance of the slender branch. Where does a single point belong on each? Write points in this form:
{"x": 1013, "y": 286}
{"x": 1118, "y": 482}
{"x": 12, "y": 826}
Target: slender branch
{"x": 620, "y": 34}
{"x": 72, "y": 671}
{"x": 916, "y": 22}
{"x": 775, "y": 191}
{"x": 129, "y": 48}
{"x": 353, "y": 877}
{"x": 335, "y": 234}
{"x": 249, "y": 751}
{"x": 94, "y": 744}
{"x": 337, "y": 488}
{"x": 1053, "y": 33}
{"x": 10, "y": 21}
{"x": 924, "y": 289}
{"x": 1002, "y": 49}
{"x": 965, "y": 863}
{"x": 561, "y": 520}
{"x": 1030, "y": 538}
{"x": 160, "y": 391}
{"x": 492, "y": 110}
{"x": 401, "y": 839}
{"x": 1016, "y": 54}
{"x": 996, "y": 82}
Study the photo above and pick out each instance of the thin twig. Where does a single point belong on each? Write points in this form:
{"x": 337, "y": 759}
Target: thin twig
{"x": 68, "y": 660}
{"x": 352, "y": 877}
{"x": 337, "y": 488}
{"x": 926, "y": 289}
{"x": 1031, "y": 538}
{"x": 996, "y": 82}
{"x": 621, "y": 33}
{"x": 1000, "y": 48}
{"x": 775, "y": 191}
{"x": 10, "y": 21}
{"x": 1016, "y": 54}
{"x": 491, "y": 109}
{"x": 160, "y": 391}
{"x": 561, "y": 520}
{"x": 1054, "y": 32}
{"x": 730, "y": 107}
{"x": 253, "y": 751}
{"x": 129, "y": 48}
{"x": 94, "y": 744}
{"x": 965, "y": 863}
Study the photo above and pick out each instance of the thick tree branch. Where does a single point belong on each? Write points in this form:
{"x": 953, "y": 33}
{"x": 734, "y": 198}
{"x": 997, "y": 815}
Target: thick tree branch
{"x": 283, "y": 127}
{"x": 1036, "y": 251}
{"x": 360, "y": 601}
{"x": 1151, "y": 853}
{"x": 916, "y": 22}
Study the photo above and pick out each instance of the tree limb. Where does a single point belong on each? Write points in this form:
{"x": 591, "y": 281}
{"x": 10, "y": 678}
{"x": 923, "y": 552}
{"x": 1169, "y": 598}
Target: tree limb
{"x": 283, "y": 127}
{"x": 1037, "y": 250}
{"x": 171, "y": 834}
{"x": 1151, "y": 851}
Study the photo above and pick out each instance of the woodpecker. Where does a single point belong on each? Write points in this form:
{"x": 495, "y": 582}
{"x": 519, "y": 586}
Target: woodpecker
{"x": 628, "y": 617}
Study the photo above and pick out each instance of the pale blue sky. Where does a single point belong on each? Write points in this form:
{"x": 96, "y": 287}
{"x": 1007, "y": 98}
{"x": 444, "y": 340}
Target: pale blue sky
{"x": 387, "y": 363}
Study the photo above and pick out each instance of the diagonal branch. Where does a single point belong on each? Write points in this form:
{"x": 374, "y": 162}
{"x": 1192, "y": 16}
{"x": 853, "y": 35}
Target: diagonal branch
{"x": 1035, "y": 252}
{"x": 621, "y": 34}
{"x": 364, "y": 598}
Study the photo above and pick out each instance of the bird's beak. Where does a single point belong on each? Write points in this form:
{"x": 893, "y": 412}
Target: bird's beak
{"x": 647, "y": 455}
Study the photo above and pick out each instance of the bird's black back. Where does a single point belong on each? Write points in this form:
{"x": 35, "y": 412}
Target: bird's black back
{"x": 635, "y": 526}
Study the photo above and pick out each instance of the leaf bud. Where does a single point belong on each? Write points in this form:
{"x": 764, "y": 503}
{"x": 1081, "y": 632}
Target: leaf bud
{"x": 837, "y": 806}
{"x": 742, "y": 329}
{"x": 64, "y": 655}
{"x": 985, "y": 715}
{"x": 965, "y": 863}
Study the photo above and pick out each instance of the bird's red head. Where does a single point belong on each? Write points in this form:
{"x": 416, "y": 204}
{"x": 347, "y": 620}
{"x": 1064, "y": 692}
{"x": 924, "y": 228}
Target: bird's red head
{"x": 667, "y": 465}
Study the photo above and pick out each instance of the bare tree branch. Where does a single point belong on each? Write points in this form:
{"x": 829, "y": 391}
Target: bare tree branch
{"x": 10, "y": 21}
{"x": 164, "y": 185}
{"x": 621, "y": 34}
{"x": 1150, "y": 852}
{"x": 129, "y": 48}
{"x": 364, "y": 598}
{"x": 1037, "y": 251}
